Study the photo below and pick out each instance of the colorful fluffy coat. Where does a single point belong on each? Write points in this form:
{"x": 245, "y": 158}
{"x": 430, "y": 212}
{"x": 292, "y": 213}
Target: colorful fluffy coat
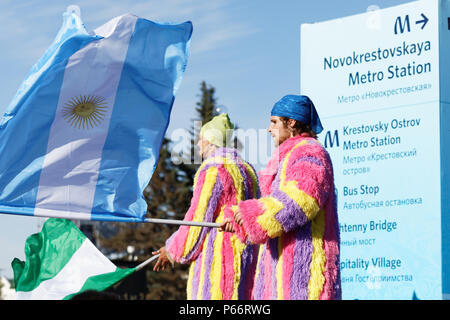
{"x": 296, "y": 220}
{"x": 221, "y": 267}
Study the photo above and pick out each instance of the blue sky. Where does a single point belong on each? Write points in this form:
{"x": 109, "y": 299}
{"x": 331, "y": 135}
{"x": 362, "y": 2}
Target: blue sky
{"x": 248, "y": 50}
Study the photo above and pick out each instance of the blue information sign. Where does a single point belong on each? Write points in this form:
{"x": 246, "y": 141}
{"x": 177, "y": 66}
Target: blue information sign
{"x": 381, "y": 83}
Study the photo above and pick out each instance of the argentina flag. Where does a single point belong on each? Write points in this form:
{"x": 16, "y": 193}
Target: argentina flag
{"x": 81, "y": 138}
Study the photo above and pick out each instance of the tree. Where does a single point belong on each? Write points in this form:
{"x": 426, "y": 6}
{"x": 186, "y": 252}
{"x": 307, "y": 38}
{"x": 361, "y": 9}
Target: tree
{"x": 207, "y": 108}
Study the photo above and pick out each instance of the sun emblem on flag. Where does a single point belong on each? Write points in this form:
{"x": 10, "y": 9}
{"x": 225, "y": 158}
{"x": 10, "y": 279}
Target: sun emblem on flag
{"x": 85, "y": 112}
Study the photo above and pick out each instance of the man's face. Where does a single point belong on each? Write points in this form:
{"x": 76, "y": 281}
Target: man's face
{"x": 278, "y": 130}
{"x": 203, "y": 147}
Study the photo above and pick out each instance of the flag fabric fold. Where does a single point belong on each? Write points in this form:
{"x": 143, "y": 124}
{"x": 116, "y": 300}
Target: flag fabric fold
{"x": 82, "y": 136}
{"x": 62, "y": 262}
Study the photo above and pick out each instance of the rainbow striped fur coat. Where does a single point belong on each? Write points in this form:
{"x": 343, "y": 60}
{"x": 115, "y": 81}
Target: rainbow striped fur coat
{"x": 296, "y": 221}
{"x": 221, "y": 267}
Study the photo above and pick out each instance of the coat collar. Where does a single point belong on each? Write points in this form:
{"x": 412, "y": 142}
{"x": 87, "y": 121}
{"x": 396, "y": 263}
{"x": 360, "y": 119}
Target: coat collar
{"x": 281, "y": 151}
{"x": 267, "y": 175}
{"x": 223, "y": 152}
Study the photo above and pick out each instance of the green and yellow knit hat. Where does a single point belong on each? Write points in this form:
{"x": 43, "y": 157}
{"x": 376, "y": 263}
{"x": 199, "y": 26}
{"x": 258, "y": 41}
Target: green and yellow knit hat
{"x": 218, "y": 131}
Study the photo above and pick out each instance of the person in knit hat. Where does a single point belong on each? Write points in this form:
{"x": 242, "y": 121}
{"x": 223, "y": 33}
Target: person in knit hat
{"x": 296, "y": 218}
{"x": 216, "y": 133}
{"x": 221, "y": 266}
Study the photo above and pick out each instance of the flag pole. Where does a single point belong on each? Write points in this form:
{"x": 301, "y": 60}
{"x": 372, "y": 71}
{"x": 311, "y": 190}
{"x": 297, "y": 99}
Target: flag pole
{"x": 148, "y": 220}
{"x": 137, "y": 268}
{"x": 146, "y": 262}
{"x": 184, "y": 222}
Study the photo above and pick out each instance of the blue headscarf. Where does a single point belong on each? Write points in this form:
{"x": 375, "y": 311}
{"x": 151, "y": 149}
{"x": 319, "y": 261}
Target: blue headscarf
{"x": 298, "y": 108}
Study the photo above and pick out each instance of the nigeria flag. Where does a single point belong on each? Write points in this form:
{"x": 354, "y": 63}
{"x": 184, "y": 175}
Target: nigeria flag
{"x": 61, "y": 262}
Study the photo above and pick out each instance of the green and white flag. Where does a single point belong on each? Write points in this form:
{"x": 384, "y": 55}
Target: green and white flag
{"x": 61, "y": 262}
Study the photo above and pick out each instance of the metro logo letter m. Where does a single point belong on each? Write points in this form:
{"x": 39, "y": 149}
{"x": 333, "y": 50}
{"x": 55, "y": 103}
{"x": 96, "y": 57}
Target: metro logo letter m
{"x": 330, "y": 141}
{"x": 401, "y": 25}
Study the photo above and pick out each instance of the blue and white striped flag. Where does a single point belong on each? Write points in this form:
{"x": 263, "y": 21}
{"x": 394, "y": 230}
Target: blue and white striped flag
{"x": 82, "y": 136}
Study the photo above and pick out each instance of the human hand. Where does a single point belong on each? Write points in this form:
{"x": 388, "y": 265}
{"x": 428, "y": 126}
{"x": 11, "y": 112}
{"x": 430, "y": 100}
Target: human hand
{"x": 227, "y": 226}
{"x": 163, "y": 259}
{"x": 238, "y": 216}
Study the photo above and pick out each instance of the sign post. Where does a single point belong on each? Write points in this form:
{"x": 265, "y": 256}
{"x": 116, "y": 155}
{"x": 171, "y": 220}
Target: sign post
{"x": 381, "y": 84}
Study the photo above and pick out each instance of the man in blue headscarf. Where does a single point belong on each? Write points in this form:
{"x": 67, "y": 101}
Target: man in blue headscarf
{"x": 296, "y": 218}
{"x": 294, "y": 115}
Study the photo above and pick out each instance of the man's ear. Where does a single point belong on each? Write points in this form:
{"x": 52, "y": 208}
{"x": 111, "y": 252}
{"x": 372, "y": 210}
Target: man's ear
{"x": 291, "y": 123}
